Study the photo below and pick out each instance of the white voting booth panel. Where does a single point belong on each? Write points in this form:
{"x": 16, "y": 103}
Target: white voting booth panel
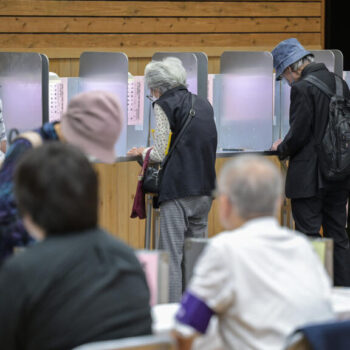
{"x": 156, "y": 267}
{"x": 104, "y": 71}
{"x": 245, "y": 112}
{"x": 23, "y": 89}
{"x": 107, "y": 71}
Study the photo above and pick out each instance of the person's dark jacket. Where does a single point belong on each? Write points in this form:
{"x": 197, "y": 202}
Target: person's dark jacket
{"x": 72, "y": 289}
{"x": 309, "y": 111}
{"x": 191, "y": 167}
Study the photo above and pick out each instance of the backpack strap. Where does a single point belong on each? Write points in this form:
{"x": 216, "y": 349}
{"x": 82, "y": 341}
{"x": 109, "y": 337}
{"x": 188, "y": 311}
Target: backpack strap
{"x": 339, "y": 86}
{"x": 320, "y": 84}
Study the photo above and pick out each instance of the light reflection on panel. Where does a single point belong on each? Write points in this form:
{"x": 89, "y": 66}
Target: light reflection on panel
{"x": 246, "y": 103}
{"x": 120, "y": 90}
{"x": 21, "y": 90}
{"x": 246, "y": 120}
{"x": 107, "y": 71}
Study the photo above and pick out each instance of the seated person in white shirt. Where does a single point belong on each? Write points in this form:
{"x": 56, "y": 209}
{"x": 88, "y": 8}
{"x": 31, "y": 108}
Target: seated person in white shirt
{"x": 262, "y": 281}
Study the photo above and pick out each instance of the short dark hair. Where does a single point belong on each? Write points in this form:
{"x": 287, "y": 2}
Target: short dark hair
{"x": 57, "y": 186}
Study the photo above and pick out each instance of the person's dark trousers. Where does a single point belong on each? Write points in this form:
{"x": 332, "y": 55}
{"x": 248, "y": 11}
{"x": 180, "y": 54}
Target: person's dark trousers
{"x": 327, "y": 209}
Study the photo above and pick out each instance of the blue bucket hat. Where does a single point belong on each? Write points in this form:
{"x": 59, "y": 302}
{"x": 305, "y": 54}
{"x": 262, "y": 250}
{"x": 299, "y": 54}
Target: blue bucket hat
{"x": 286, "y": 53}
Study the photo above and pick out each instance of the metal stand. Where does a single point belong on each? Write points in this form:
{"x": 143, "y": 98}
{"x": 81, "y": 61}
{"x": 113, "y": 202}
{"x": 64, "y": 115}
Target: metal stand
{"x": 156, "y": 228}
{"x": 148, "y": 228}
{"x": 152, "y": 229}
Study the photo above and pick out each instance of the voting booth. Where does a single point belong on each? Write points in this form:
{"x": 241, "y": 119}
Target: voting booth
{"x": 24, "y": 89}
{"x": 156, "y": 267}
{"x": 244, "y": 119}
{"x": 107, "y": 71}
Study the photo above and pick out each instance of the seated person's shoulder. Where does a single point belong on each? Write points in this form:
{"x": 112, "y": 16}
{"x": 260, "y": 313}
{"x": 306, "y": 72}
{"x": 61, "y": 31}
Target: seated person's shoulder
{"x": 116, "y": 248}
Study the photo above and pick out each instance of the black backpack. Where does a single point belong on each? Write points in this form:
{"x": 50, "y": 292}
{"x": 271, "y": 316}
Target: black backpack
{"x": 334, "y": 147}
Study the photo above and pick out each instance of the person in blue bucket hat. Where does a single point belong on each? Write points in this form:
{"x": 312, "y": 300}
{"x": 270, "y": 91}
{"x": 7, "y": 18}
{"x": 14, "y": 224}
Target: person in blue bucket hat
{"x": 285, "y": 54}
{"x": 316, "y": 202}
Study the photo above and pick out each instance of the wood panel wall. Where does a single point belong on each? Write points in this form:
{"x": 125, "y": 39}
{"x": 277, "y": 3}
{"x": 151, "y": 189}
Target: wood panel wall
{"x": 64, "y": 29}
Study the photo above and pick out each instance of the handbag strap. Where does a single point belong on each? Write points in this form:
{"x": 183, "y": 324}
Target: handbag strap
{"x": 145, "y": 163}
{"x": 189, "y": 118}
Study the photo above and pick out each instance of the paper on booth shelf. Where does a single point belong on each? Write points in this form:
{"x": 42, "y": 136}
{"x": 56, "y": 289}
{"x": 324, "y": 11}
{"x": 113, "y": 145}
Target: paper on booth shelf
{"x": 57, "y": 98}
{"x": 211, "y": 88}
{"x": 136, "y": 91}
{"x": 149, "y": 264}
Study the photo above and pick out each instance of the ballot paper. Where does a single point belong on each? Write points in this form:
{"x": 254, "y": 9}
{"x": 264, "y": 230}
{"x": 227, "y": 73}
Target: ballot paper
{"x": 156, "y": 267}
{"x": 211, "y": 78}
{"x": 136, "y": 92}
{"x": 57, "y": 98}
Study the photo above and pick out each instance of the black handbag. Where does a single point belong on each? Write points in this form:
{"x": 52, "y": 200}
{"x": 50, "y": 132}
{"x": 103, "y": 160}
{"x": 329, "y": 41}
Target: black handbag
{"x": 153, "y": 176}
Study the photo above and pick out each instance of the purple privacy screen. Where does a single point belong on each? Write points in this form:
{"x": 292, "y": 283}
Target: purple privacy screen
{"x": 107, "y": 71}
{"x": 246, "y": 103}
{"x": 21, "y": 90}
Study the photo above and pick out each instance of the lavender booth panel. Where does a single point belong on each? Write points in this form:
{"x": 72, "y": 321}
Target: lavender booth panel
{"x": 107, "y": 71}
{"x": 21, "y": 76}
{"x": 246, "y": 111}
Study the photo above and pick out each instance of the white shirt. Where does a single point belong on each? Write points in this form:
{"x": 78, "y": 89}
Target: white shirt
{"x": 263, "y": 282}
{"x": 161, "y": 136}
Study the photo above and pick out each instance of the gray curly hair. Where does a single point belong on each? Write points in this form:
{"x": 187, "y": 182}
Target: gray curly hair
{"x": 165, "y": 75}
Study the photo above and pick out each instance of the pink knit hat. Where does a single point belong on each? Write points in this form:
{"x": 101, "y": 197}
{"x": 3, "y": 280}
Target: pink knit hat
{"x": 93, "y": 122}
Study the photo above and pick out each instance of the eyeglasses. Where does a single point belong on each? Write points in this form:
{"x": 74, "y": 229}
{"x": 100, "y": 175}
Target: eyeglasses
{"x": 151, "y": 98}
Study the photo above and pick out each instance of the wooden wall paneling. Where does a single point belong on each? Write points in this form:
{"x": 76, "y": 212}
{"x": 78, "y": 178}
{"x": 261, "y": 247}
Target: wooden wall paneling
{"x": 133, "y": 66}
{"x": 323, "y": 22}
{"x": 213, "y": 65}
{"x": 108, "y": 205}
{"x": 159, "y": 25}
{"x": 63, "y": 67}
{"x": 159, "y": 9}
{"x": 121, "y": 41}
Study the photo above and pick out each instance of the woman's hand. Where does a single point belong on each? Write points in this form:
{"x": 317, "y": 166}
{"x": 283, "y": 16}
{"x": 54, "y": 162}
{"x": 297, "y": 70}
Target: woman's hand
{"x": 276, "y": 144}
{"x": 136, "y": 151}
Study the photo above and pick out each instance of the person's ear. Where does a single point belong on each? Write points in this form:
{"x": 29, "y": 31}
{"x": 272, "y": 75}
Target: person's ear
{"x": 225, "y": 210}
{"x": 33, "y": 229}
{"x": 278, "y": 206}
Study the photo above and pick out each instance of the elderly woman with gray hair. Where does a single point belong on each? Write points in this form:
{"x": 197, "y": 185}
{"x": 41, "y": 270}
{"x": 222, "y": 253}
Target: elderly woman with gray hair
{"x": 189, "y": 176}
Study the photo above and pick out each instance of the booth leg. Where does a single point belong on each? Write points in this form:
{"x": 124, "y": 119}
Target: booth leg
{"x": 156, "y": 228}
{"x": 148, "y": 228}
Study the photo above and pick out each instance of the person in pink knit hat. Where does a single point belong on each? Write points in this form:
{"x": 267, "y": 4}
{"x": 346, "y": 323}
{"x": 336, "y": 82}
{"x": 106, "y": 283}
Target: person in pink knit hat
{"x": 93, "y": 122}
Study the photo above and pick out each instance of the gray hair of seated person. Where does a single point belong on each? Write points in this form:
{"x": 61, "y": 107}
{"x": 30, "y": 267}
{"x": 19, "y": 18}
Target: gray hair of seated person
{"x": 253, "y": 185}
{"x": 165, "y": 75}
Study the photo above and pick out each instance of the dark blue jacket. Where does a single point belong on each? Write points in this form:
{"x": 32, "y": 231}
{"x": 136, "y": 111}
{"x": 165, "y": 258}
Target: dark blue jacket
{"x": 308, "y": 118}
{"x": 190, "y": 170}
